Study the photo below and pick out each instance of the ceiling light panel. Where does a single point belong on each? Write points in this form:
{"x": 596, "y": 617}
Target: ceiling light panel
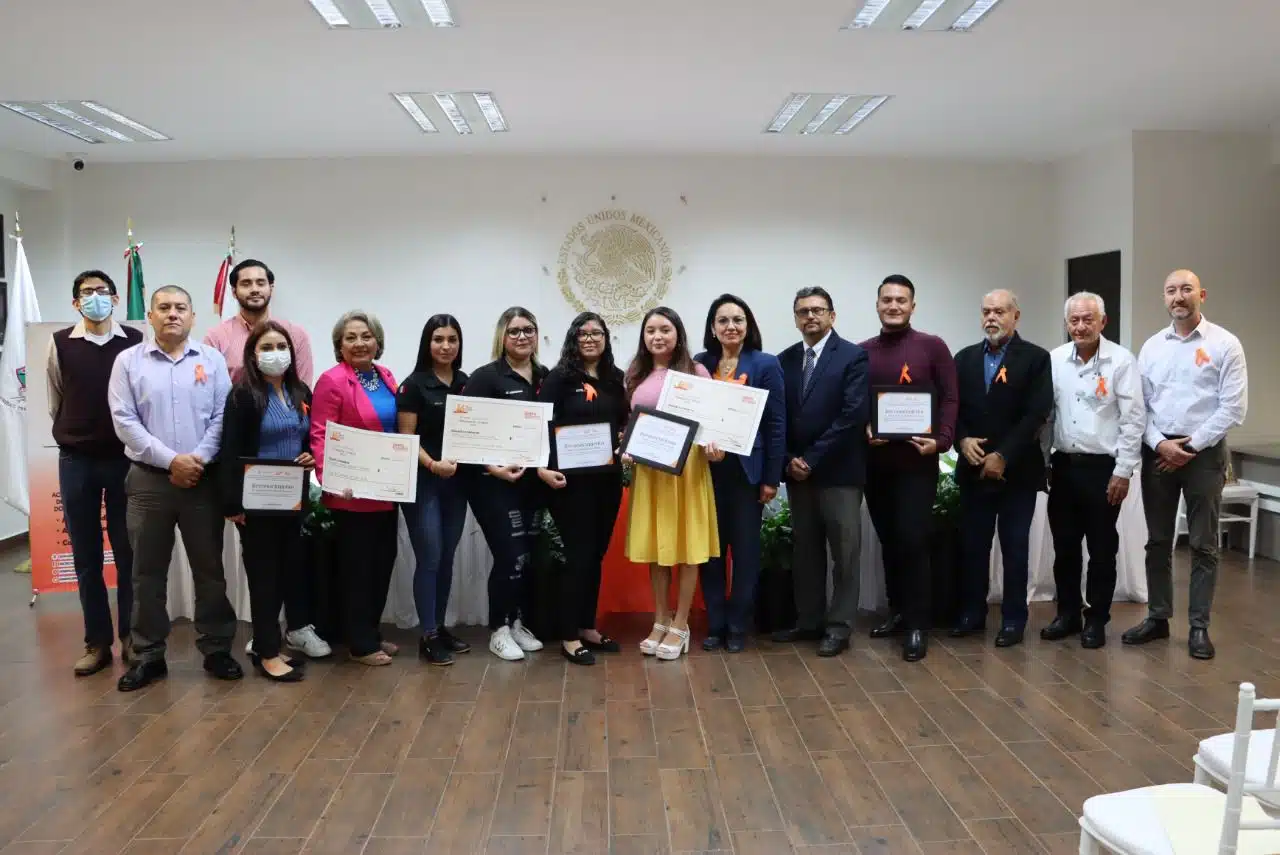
{"x": 815, "y": 114}
{"x": 462, "y": 112}
{"x": 919, "y": 15}
{"x": 87, "y": 121}
{"x": 384, "y": 14}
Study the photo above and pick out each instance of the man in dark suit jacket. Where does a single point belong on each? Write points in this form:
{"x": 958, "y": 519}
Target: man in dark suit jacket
{"x": 1006, "y": 396}
{"x": 827, "y": 390}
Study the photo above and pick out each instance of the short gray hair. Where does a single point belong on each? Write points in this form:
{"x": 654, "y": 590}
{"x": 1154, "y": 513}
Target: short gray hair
{"x": 369, "y": 320}
{"x": 1013, "y": 298}
{"x": 1080, "y": 297}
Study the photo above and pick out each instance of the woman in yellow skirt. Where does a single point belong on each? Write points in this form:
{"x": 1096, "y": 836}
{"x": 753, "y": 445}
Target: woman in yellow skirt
{"x": 672, "y": 517}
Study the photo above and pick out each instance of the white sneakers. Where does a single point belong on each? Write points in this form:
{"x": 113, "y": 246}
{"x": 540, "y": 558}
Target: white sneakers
{"x": 307, "y": 642}
{"x": 502, "y": 645}
{"x": 524, "y": 637}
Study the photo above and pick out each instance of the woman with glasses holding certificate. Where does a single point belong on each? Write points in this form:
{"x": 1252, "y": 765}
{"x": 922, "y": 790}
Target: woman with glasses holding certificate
{"x": 266, "y": 418}
{"x": 744, "y": 484}
{"x": 585, "y": 476}
{"x": 504, "y": 499}
{"x": 673, "y": 517}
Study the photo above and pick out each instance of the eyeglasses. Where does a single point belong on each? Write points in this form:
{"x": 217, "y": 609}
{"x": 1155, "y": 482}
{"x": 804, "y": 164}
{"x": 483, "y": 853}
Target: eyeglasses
{"x": 523, "y": 332}
{"x": 101, "y": 289}
{"x": 811, "y": 312}
{"x": 590, "y": 335}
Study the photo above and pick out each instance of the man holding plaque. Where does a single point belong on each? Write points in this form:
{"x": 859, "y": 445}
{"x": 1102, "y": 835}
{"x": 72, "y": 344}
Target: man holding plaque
{"x": 902, "y": 469}
{"x": 1098, "y": 420}
{"x": 825, "y": 379}
{"x": 1006, "y": 397}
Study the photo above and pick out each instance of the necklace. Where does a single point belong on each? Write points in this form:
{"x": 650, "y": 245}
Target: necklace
{"x": 370, "y": 381}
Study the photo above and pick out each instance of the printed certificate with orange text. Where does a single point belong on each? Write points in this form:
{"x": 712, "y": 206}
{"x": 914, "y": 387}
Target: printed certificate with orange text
{"x": 727, "y": 414}
{"x": 371, "y": 464}
{"x": 496, "y": 432}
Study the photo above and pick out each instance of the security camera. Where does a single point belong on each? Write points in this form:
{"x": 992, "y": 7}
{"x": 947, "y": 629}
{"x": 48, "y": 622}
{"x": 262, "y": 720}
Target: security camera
{"x": 77, "y": 165}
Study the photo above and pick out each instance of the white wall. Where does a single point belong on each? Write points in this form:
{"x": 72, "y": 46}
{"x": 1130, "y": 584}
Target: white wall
{"x": 1210, "y": 202}
{"x": 409, "y": 237}
{"x": 1093, "y": 213}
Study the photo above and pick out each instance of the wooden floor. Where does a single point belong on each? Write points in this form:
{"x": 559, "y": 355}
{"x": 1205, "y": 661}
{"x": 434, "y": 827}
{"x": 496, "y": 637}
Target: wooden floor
{"x": 975, "y": 750}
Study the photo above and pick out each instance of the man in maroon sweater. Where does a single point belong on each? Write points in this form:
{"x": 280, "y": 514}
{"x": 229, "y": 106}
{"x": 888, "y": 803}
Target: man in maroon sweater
{"x": 902, "y": 475}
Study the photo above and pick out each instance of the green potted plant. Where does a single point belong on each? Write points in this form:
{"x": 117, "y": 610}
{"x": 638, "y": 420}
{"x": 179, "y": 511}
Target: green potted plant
{"x": 317, "y": 535}
{"x": 775, "y": 598}
{"x": 944, "y": 542}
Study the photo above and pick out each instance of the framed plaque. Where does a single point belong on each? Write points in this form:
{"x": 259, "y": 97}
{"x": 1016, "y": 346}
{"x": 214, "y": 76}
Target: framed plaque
{"x": 659, "y": 440}
{"x": 901, "y": 412}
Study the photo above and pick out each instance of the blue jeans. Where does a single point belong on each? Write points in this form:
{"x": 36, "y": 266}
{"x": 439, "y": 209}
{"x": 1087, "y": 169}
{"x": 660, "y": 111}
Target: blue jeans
{"x": 738, "y": 511}
{"x": 84, "y": 482}
{"x": 982, "y": 511}
{"x": 435, "y": 524}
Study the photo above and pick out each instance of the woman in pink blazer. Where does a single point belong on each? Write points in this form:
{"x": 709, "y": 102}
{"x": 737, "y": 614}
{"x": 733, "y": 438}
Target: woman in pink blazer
{"x": 359, "y": 393}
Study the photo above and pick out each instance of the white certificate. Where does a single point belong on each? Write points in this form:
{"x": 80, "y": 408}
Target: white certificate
{"x": 901, "y": 413}
{"x": 727, "y": 414}
{"x": 273, "y": 486}
{"x": 496, "y": 432}
{"x": 584, "y": 446}
{"x": 371, "y": 464}
{"x": 657, "y": 441}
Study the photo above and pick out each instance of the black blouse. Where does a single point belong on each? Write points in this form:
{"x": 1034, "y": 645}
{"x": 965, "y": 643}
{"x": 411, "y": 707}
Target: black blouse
{"x": 424, "y": 395}
{"x": 580, "y": 399}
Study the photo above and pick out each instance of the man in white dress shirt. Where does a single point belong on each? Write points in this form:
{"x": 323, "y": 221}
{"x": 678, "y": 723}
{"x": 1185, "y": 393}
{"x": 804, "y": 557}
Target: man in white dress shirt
{"x": 1098, "y": 422}
{"x": 1195, "y": 384}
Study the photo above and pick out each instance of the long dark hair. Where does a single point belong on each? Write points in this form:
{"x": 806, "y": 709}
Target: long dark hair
{"x": 435, "y": 322}
{"x": 642, "y": 365}
{"x": 751, "y": 341}
{"x": 571, "y": 355}
{"x": 253, "y": 380}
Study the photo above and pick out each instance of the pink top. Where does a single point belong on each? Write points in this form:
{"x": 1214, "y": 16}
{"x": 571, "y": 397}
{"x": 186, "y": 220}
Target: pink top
{"x": 339, "y": 397}
{"x": 229, "y": 337}
{"x": 650, "y": 389}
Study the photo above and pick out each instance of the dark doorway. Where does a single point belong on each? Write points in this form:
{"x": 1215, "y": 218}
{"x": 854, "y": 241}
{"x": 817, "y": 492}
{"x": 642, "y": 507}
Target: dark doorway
{"x": 1100, "y": 274}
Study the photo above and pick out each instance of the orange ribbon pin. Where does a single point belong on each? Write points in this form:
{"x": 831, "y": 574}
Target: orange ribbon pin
{"x": 1002, "y": 376}
{"x": 589, "y": 391}
{"x": 1101, "y": 391}
{"x": 306, "y": 409}
{"x": 1202, "y": 358}
{"x": 905, "y": 376}
{"x": 200, "y": 375}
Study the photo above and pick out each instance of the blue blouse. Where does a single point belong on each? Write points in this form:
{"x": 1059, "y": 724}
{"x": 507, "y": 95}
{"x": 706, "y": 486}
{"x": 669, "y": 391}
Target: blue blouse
{"x": 383, "y": 400}
{"x": 283, "y": 429}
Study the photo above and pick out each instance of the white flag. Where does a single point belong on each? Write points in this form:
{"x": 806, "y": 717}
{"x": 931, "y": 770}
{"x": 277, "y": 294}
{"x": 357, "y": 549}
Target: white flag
{"x": 23, "y": 310}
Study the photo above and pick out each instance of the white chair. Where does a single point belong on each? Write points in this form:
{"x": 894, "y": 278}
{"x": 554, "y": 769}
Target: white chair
{"x": 1213, "y": 763}
{"x": 1189, "y": 819}
{"x": 1239, "y": 494}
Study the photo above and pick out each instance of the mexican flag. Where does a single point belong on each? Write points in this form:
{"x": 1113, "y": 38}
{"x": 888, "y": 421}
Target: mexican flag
{"x": 220, "y": 285}
{"x": 137, "y": 291}
{"x": 23, "y": 309}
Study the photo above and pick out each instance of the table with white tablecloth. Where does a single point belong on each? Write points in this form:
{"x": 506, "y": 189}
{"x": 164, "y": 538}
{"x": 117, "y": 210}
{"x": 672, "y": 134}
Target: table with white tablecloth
{"x": 469, "y": 601}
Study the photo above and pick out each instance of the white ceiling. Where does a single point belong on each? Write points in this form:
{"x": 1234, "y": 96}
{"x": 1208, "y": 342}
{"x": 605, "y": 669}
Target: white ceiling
{"x": 266, "y": 78}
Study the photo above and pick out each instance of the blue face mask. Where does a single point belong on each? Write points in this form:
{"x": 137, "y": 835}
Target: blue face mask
{"x": 96, "y": 307}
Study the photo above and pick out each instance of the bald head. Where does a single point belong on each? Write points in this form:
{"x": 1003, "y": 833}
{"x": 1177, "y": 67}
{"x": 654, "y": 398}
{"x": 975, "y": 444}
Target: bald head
{"x": 1183, "y": 296}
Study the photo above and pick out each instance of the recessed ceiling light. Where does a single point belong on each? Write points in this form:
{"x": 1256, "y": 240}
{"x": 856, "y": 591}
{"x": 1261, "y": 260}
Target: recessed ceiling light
{"x": 415, "y": 112}
{"x": 385, "y": 15}
{"x": 973, "y": 14}
{"x": 825, "y": 113}
{"x": 489, "y": 109}
{"x": 438, "y": 12}
{"x": 787, "y": 113}
{"x": 45, "y": 120}
{"x": 331, "y": 13}
{"x": 121, "y": 119}
{"x": 868, "y": 13}
{"x": 450, "y": 108}
{"x": 860, "y": 115}
{"x": 922, "y": 14}
{"x": 88, "y": 123}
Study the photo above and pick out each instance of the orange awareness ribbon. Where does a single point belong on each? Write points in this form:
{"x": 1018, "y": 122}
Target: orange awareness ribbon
{"x": 306, "y": 409}
{"x": 200, "y": 375}
{"x": 1202, "y": 358}
{"x": 1002, "y": 376}
{"x": 905, "y": 376}
{"x": 589, "y": 391}
{"x": 1101, "y": 391}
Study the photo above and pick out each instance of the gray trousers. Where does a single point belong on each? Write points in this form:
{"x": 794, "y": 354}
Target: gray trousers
{"x": 1200, "y": 482}
{"x": 155, "y": 507}
{"x": 822, "y": 517}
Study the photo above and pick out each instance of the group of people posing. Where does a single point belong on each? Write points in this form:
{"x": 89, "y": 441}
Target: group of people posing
{"x": 157, "y": 430}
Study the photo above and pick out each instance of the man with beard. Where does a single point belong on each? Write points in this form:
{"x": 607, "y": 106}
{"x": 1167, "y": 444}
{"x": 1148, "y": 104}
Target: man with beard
{"x": 253, "y": 283}
{"x": 1006, "y": 396}
{"x": 1196, "y": 384}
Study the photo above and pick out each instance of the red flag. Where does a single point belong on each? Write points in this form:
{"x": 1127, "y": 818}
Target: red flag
{"x": 220, "y": 286}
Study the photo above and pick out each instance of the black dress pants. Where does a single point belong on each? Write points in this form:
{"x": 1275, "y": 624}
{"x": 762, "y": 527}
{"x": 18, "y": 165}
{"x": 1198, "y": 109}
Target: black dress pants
{"x": 505, "y": 512}
{"x": 1078, "y": 510}
{"x": 272, "y": 550}
{"x": 366, "y": 544}
{"x": 584, "y": 511}
{"x": 900, "y": 502}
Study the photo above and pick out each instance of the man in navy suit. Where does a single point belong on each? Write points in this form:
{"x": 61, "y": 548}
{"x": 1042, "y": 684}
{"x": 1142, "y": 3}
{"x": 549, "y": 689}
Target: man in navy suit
{"x": 828, "y": 405}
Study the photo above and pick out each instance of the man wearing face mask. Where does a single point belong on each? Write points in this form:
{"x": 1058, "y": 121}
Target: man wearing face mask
{"x": 91, "y": 460}
{"x": 1006, "y": 397}
{"x": 253, "y": 285}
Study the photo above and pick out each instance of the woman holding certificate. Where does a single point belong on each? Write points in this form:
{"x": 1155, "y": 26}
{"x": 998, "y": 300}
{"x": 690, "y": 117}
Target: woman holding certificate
{"x": 359, "y": 393}
{"x": 436, "y": 518}
{"x": 590, "y": 410}
{"x": 505, "y": 498}
{"x": 266, "y": 418}
{"x": 744, "y": 484}
{"x": 672, "y": 517}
